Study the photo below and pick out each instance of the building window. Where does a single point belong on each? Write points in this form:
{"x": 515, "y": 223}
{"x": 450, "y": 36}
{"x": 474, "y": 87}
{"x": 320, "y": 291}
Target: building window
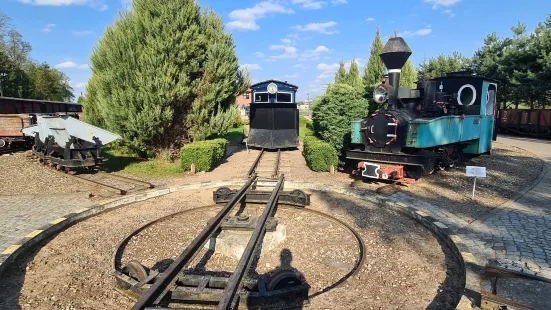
{"x": 246, "y": 95}
{"x": 284, "y": 97}
{"x": 261, "y": 98}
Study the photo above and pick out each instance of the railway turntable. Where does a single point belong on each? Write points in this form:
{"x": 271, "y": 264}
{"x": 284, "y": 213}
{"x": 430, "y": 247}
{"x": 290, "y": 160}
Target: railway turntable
{"x": 175, "y": 286}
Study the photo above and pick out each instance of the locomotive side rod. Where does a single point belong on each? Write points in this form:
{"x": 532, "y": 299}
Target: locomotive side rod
{"x": 234, "y": 283}
{"x": 161, "y": 283}
{"x": 255, "y": 164}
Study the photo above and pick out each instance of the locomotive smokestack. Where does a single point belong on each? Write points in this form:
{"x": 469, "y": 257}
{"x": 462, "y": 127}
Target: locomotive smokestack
{"x": 395, "y": 54}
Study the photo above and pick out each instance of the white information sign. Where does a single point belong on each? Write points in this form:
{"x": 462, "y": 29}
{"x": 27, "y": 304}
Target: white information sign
{"x": 474, "y": 171}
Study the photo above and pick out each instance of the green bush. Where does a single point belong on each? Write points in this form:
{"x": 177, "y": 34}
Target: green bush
{"x": 319, "y": 155}
{"x": 204, "y": 154}
{"x": 333, "y": 113}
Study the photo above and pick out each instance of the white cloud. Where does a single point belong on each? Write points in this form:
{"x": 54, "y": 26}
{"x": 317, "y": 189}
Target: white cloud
{"x": 449, "y": 12}
{"x": 441, "y": 3}
{"x": 71, "y": 65}
{"x": 82, "y": 33}
{"x": 259, "y": 55}
{"x": 328, "y": 70}
{"x": 301, "y": 66}
{"x": 325, "y": 67}
{"x": 421, "y": 32}
{"x": 335, "y": 2}
{"x": 369, "y": 19}
{"x": 326, "y": 75}
{"x": 286, "y": 41}
{"x": 315, "y": 53}
{"x": 245, "y": 19}
{"x": 310, "y": 4}
{"x": 250, "y": 67}
{"x": 48, "y": 28}
{"x": 289, "y": 52}
{"x": 292, "y": 76}
{"x": 96, "y": 4}
{"x": 81, "y": 85}
{"x": 318, "y": 27}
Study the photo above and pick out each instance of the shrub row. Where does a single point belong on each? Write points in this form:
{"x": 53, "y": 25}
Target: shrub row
{"x": 204, "y": 154}
{"x": 319, "y": 155}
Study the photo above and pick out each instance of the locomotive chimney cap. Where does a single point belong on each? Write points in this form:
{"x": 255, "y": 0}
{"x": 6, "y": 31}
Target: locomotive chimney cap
{"x": 395, "y": 53}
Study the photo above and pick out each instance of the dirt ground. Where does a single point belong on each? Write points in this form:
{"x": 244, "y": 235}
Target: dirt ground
{"x": 405, "y": 266}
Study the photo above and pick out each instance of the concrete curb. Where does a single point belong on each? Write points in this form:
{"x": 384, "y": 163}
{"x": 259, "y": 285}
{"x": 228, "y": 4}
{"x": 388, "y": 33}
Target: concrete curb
{"x": 471, "y": 269}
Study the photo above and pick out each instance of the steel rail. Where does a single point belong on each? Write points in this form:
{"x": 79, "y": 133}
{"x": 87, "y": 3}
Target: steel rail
{"x": 92, "y": 182}
{"x": 234, "y": 283}
{"x": 126, "y": 179}
{"x": 255, "y": 164}
{"x": 276, "y": 167}
{"x": 161, "y": 283}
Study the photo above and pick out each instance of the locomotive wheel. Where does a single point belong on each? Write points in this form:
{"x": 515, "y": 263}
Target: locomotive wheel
{"x": 135, "y": 270}
{"x": 223, "y": 193}
{"x": 298, "y": 196}
{"x": 283, "y": 279}
{"x": 414, "y": 172}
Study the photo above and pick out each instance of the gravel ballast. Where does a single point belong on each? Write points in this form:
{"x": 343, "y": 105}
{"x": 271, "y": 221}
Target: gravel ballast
{"x": 405, "y": 266}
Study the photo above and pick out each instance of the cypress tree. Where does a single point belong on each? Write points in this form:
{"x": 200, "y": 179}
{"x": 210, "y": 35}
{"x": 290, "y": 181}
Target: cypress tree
{"x": 375, "y": 67}
{"x": 161, "y": 74}
{"x": 341, "y": 77}
{"x": 409, "y": 75}
{"x": 354, "y": 78}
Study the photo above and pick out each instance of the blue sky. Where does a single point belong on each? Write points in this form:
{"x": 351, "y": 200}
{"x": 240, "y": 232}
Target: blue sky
{"x": 300, "y": 41}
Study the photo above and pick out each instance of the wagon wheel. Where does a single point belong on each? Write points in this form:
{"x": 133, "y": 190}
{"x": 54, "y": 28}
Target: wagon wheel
{"x": 283, "y": 279}
{"x": 299, "y": 196}
{"x": 136, "y": 271}
{"x": 223, "y": 193}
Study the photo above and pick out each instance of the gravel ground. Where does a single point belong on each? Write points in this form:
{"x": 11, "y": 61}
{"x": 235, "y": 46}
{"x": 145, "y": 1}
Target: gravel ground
{"x": 405, "y": 266}
{"x": 509, "y": 169}
{"x": 22, "y": 176}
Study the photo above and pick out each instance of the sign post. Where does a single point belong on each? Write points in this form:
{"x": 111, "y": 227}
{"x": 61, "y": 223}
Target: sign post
{"x": 476, "y": 172}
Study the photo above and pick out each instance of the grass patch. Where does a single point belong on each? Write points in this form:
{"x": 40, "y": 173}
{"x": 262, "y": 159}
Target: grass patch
{"x": 117, "y": 160}
{"x": 234, "y": 134}
{"x": 305, "y": 128}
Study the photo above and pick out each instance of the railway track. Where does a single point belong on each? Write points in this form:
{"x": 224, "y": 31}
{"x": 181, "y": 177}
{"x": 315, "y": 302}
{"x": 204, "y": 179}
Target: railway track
{"x": 107, "y": 181}
{"x": 267, "y": 164}
{"x": 154, "y": 290}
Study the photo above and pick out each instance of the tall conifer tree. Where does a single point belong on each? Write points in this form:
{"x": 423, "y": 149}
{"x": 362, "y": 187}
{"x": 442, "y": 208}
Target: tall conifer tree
{"x": 163, "y": 74}
{"x": 354, "y": 78}
{"x": 341, "y": 76}
{"x": 408, "y": 77}
{"x": 375, "y": 67}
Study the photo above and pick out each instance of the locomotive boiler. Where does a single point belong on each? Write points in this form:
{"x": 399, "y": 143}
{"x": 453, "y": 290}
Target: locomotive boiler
{"x": 438, "y": 124}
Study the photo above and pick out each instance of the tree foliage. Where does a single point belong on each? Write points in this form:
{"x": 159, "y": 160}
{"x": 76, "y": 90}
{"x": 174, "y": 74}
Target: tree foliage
{"x": 353, "y": 76}
{"x": 341, "y": 76}
{"x": 408, "y": 77}
{"x": 375, "y": 68}
{"x": 521, "y": 65}
{"x": 333, "y": 112}
{"x": 442, "y": 64}
{"x": 163, "y": 74}
{"x": 21, "y": 76}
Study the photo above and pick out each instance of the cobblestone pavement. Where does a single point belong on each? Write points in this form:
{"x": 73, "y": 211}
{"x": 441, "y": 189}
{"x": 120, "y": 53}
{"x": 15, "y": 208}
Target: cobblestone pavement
{"x": 22, "y": 215}
{"x": 518, "y": 234}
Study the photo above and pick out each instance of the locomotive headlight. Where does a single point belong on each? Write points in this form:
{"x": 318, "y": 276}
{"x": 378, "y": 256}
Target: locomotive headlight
{"x": 380, "y": 94}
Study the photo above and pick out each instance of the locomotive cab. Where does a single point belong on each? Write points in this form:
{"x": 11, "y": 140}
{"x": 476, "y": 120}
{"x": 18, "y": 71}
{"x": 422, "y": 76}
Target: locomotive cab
{"x": 274, "y": 116}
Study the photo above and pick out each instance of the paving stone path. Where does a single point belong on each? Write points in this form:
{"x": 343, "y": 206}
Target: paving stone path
{"x": 21, "y": 215}
{"x": 518, "y": 234}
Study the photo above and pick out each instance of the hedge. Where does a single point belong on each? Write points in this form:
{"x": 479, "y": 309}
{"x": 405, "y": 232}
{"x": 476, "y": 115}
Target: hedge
{"x": 204, "y": 154}
{"x": 319, "y": 155}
